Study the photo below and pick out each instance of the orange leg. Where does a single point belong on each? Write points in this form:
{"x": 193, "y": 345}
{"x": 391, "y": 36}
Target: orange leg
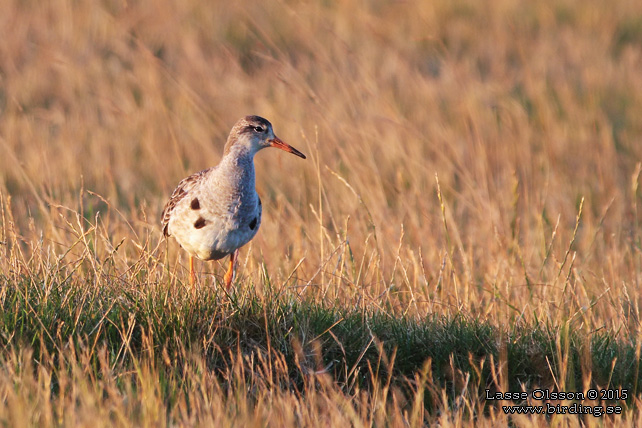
{"x": 231, "y": 271}
{"x": 192, "y": 274}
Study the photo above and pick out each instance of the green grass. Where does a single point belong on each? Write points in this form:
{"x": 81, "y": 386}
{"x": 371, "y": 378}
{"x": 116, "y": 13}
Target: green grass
{"x": 239, "y": 339}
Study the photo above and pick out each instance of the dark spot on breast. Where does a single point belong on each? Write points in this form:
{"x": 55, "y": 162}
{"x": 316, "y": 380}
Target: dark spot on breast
{"x": 200, "y": 223}
{"x": 195, "y": 205}
{"x": 253, "y": 223}
{"x": 260, "y": 203}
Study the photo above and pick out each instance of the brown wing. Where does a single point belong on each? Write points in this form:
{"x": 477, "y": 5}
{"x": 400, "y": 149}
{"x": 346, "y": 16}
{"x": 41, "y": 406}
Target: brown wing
{"x": 179, "y": 193}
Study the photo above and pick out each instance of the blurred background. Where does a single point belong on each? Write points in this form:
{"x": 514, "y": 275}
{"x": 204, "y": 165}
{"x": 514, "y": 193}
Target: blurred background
{"x": 528, "y": 113}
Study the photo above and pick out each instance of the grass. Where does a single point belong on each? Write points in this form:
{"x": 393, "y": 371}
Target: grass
{"x": 118, "y": 342}
{"x": 467, "y": 219}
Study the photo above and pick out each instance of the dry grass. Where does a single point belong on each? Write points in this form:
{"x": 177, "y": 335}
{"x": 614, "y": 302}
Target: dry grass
{"x": 465, "y": 159}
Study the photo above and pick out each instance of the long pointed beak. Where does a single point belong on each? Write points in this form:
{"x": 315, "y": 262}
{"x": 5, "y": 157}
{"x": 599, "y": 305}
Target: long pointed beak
{"x": 280, "y": 144}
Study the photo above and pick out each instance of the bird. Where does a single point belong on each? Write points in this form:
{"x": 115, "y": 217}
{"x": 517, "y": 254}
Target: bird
{"x": 216, "y": 211}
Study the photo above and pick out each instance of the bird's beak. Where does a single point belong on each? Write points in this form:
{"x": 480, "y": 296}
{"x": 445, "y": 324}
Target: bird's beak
{"x": 279, "y": 144}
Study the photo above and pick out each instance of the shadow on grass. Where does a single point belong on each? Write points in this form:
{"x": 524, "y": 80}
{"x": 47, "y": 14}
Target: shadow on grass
{"x": 288, "y": 343}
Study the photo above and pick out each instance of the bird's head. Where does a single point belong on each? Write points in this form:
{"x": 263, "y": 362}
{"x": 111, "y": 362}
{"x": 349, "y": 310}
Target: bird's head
{"x": 255, "y": 133}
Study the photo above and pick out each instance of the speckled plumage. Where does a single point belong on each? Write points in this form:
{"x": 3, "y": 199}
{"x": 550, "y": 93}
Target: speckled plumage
{"x": 214, "y": 212}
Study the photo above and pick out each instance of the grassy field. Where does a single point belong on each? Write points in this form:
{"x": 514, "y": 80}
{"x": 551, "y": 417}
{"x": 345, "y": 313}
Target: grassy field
{"x": 466, "y": 222}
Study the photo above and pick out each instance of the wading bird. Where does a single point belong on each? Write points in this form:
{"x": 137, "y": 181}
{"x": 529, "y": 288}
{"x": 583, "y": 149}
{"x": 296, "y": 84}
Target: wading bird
{"x": 216, "y": 211}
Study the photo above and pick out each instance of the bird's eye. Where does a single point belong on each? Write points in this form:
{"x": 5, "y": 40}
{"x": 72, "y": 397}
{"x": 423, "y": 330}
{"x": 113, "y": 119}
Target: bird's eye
{"x": 259, "y": 129}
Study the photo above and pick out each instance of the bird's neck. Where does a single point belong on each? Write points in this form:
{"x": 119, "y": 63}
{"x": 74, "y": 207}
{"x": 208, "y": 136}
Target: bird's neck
{"x": 238, "y": 167}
